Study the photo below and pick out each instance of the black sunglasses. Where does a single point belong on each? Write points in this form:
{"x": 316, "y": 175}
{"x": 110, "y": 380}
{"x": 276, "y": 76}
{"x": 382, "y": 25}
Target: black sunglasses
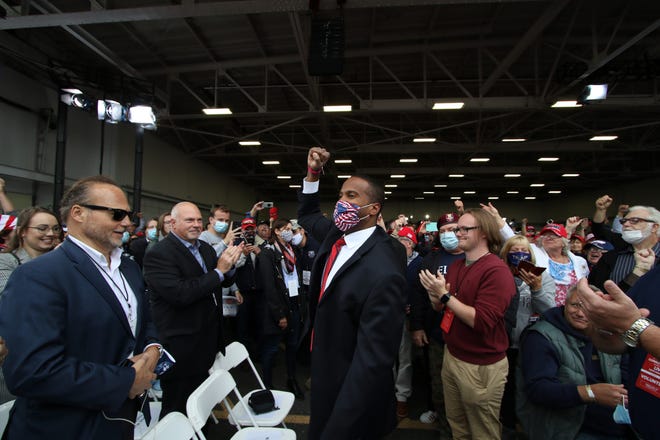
{"x": 117, "y": 214}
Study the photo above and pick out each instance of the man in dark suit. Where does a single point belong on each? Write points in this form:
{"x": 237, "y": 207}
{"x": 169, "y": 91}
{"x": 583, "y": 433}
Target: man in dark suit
{"x": 73, "y": 318}
{"x": 357, "y": 297}
{"x": 185, "y": 280}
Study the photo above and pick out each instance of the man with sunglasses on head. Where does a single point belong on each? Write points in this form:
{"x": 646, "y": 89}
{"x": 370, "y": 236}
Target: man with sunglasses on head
{"x": 83, "y": 347}
{"x": 640, "y": 227}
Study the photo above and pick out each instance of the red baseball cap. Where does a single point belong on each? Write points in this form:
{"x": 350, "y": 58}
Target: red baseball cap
{"x": 408, "y": 233}
{"x": 445, "y": 219}
{"x": 578, "y": 237}
{"x": 556, "y": 229}
{"x": 248, "y": 222}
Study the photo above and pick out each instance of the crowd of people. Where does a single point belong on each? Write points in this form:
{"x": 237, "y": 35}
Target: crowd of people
{"x": 542, "y": 334}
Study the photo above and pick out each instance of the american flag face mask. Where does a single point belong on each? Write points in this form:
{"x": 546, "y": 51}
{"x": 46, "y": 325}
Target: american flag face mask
{"x": 346, "y": 215}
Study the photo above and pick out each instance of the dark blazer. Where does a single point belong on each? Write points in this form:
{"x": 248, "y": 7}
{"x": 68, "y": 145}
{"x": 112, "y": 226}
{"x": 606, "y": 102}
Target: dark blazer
{"x": 357, "y": 331}
{"x": 68, "y": 336}
{"x": 186, "y": 304}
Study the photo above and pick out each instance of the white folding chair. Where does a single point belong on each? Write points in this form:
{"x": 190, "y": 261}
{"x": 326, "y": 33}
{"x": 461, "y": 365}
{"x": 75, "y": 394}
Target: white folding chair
{"x": 5, "y": 408}
{"x": 174, "y": 426}
{"x": 214, "y": 390}
{"x": 236, "y": 353}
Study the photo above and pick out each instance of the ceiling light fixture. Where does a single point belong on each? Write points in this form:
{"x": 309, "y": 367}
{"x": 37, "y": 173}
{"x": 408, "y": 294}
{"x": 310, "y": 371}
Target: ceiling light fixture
{"x": 593, "y": 92}
{"x": 566, "y": 104}
{"x": 456, "y": 176}
{"x": 337, "y": 108}
{"x": 249, "y": 143}
{"x": 424, "y": 140}
{"x": 469, "y": 192}
{"x": 440, "y": 185}
{"x": 514, "y": 140}
{"x": 428, "y": 192}
{"x": 548, "y": 159}
{"x": 604, "y": 138}
{"x": 512, "y": 192}
{"x": 554, "y": 192}
{"x": 570, "y": 175}
{"x": 295, "y": 186}
{"x": 271, "y": 162}
{"x": 455, "y": 197}
{"x": 388, "y": 192}
{"x": 512, "y": 175}
{"x": 408, "y": 160}
{"x": 419, "y": 198}
{"x": 530, "y": 198}
{"x": 448, "y": 105}
{"x": 493, "y": 198}
{"x": 344, "y": 176}
{"x": 537, "y": 185}
{"x": 397, "y": 176}
{"x": 343, "y": 161}
{"x": 214, "y": 111}
{"x": 391, "y": 185}
{"x": 480, "y": 159}
{"x": 283, "y": 177}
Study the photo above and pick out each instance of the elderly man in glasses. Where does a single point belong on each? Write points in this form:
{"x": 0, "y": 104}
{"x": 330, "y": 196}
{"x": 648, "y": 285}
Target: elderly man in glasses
{"x": 640, "y": 227}
{"x": 83, "y": 348}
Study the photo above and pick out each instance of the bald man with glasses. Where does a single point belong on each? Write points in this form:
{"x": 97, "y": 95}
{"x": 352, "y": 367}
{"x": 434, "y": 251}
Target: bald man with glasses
{"x": 83, "y": 347}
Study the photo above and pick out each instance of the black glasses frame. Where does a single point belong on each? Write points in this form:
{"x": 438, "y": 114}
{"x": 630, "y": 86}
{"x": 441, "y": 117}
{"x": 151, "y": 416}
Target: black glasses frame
{"x": 117, "y": 213}
{"x": 464, "y": 229}
{"x": 635, "y": 220}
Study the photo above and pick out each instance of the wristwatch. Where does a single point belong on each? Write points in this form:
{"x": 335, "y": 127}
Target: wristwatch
{"x": 444, "y": 299}
{"x": 631, "y": 336}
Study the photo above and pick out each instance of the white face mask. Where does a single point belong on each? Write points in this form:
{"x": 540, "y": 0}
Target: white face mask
{"x": 635, "y": 236}
{"x": 297, "y": 239}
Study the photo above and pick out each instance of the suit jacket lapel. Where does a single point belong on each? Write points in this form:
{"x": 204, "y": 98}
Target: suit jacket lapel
{"x": 366, "y": 246}
{"x": 83, "y": 264}
{"x": 185, "y": 252}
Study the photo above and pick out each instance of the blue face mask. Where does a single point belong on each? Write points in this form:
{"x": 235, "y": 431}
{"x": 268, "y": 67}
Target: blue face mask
{"x": 125, "y": 237}
{"x": 286, "y": 235}
{"x": 220, "y": 227}
{"x": 448, "y": 240}
{"x": 152, "y": 234}
{"x": 514, "y": 258}
{"x": 621, "y": 415}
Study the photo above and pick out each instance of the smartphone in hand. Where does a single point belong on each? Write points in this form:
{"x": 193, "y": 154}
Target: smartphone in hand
{"x": 529, "y": 267}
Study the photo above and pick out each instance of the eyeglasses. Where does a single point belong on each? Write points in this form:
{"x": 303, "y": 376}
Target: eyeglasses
{"x": 464, "y": 229}
{"x": 117, "y": 214}
{"x": 576, "y": 305}
{"x": 550, "y": 237}
{"x": 635, "y": 220}
{"x": 43, "y": 229}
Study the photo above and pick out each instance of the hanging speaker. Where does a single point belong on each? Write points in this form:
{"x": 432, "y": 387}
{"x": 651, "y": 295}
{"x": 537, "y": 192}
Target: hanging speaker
{"x": 326, "y": 46}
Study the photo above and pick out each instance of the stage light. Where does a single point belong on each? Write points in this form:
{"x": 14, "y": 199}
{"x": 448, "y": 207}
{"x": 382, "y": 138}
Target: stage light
{"x": 76, "y": 98}
{"x": 110, "y": 111}
{"x": 141, "y": 114}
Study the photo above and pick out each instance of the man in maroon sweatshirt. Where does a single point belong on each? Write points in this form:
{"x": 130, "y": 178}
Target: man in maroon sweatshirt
{"x": 474, "y": 295}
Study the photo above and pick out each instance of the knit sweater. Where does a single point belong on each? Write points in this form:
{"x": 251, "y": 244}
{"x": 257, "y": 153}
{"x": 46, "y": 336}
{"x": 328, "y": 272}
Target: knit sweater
{"x": 487, "y": 285}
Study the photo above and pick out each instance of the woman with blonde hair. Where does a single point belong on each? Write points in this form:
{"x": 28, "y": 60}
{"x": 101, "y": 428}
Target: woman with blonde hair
{"x": 535, "y": 294}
